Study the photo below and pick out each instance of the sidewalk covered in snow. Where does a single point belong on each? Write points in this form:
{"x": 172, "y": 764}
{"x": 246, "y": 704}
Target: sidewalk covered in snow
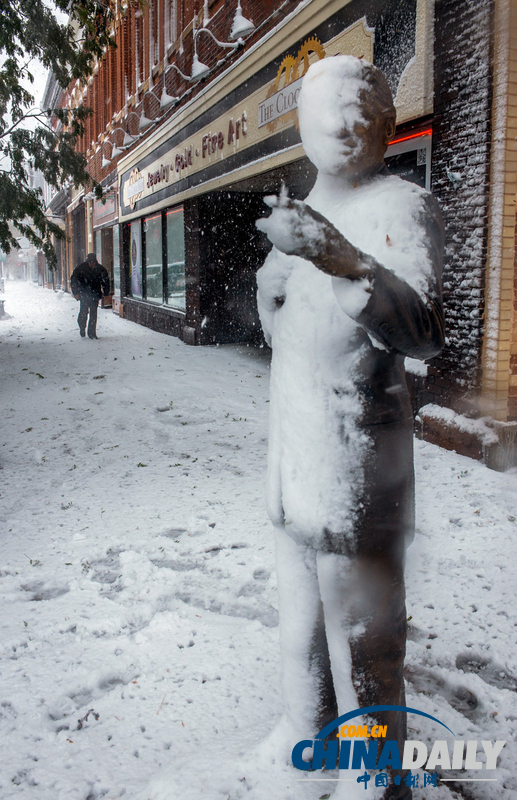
{"x": 137, "y": 585}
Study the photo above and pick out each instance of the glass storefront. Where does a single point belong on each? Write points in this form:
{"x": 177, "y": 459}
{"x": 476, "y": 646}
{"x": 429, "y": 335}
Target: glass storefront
{"x": 175, "y": 259}
{"x": 106, "y": 239}
{"x": 158, "y": 276}
{"x": 410, "y": 158}
{"x": 135, "y": 260}
{"x": 153, "y": 258}
{"x": 98, "y": 247}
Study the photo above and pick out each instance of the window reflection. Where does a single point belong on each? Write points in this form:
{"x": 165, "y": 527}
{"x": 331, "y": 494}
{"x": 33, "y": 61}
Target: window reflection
{"x": 154, "y": 258}
{"x": 175, "y": 259}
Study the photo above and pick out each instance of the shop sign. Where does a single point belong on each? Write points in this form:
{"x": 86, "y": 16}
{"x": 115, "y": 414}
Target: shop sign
{"x": 268, "y": 110}
{"x": 280, "y": 103}
{"x": 282, "y": 96}
{"x": 105, "y": 211}
{"x": 134, "y": 188}
{"x": 194, "y": 154}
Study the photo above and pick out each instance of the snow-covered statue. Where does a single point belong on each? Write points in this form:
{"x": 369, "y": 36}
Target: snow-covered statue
{"x": 351, "y": 287}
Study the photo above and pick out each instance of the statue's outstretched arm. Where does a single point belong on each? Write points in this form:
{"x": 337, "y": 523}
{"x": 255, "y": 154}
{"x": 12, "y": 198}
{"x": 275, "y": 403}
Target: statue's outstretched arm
{"x": 399, "y": 317}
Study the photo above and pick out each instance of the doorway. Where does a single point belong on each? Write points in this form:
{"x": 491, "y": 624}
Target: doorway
{"x": 232, "y": 250}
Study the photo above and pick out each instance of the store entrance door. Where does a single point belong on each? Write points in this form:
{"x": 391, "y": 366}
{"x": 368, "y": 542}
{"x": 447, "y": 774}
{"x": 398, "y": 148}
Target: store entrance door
{"x": 232, "y": 251}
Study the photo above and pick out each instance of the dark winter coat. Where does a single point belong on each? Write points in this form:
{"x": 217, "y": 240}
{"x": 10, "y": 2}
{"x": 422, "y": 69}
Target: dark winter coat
{"x": 340, "y": 466}
{"x": 89, "y": 283}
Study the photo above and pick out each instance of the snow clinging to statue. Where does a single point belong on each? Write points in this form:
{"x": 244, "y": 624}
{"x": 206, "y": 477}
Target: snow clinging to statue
{"x": 350, "y": 288}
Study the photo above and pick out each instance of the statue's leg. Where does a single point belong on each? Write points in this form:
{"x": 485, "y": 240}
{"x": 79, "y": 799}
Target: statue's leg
{"x": 307, "y": 686}
{"x": 365, "y": 618}
{"x": 340, "y": 588}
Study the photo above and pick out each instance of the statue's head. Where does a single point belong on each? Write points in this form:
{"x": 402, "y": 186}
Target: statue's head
{"x": 347, "y": 116}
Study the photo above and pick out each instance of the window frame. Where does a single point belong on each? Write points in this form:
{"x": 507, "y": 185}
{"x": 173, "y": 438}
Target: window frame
{"x": 173, "y": 210}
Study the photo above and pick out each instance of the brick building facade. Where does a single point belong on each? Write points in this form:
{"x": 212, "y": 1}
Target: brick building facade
{"x": 195, "y": 121}
{"x": 461, "y": 180}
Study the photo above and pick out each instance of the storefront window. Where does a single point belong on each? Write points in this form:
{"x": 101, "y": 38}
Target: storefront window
{"x": 98, "y": 246}
{"x": 135, "y": 260}
{"x": 411, "y": 160}
{"x": 175, "y": 259}
{"x": 154, "y": 258}
{"x": 116, "y": 260}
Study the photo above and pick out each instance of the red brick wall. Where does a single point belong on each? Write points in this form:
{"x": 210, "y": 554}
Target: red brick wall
{"x": 117, "y": 79}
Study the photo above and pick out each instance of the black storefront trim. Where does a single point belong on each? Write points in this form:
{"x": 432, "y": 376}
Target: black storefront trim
{"x": 394, "y": 22}
{"x": 272, "y": 146}
{"x": 157, "y": 317}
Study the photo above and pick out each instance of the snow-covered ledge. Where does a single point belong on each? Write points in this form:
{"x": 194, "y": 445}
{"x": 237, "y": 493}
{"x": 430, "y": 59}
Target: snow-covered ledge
{"x": 416, "y": 367}
{"x": 485, "y": 439}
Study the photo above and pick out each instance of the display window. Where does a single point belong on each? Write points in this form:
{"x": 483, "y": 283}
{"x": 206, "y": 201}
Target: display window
{"x": 175, "y": 294}
{"x": 135, "y": 260}
{"x": 157, "y": 259}
{"x": 98, "y": 246}
{"x": 409, "y": 157}
{"x": 153, "y": 258}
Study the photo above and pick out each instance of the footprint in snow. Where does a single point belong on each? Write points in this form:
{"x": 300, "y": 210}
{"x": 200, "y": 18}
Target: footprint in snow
{"x": 40, "y": 591}
{"x": 491, "y": 673}
{"x": 176, "y": 564}
{"x": 107, "y": 571}
{"x": 173, "y": 533}
{"x": 265, "y": 614}
{"x": 430, "y": 683}
{"x": 65, "y": 710}
{"x": 7, "y": 710}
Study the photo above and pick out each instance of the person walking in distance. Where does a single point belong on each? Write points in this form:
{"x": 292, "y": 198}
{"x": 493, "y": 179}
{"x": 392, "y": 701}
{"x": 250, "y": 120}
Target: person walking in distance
{"x": 89, "y": 282}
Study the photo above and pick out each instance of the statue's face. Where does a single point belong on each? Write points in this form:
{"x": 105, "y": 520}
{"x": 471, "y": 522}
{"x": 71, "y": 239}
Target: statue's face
{"x": 342, "y": 131}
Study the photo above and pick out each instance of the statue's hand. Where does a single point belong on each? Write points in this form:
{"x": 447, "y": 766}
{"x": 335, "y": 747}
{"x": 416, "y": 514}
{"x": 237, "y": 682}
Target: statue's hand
{"x": 296, "y": 229}
{"x": 293, "y": 227}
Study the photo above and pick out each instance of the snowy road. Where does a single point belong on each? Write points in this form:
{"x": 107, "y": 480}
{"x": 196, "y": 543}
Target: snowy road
{"x": 137, "y": 588}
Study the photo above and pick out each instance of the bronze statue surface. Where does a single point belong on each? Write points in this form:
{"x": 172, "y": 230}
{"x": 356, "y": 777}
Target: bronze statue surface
{"x": 350, "y": 288}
